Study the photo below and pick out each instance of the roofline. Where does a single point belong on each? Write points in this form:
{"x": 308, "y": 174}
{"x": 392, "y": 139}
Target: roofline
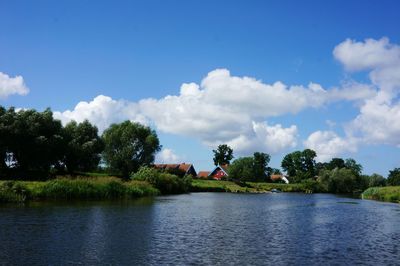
{"x": 219, "y": 168}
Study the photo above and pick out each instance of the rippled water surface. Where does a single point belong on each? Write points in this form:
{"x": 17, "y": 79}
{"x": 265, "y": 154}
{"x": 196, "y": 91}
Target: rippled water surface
{"x": 203, "y": 228}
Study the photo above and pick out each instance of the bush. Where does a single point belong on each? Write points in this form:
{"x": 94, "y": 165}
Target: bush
{"x": 165, "y": 182}
{"x": 391, "y": 193}
{"x": 339, "y": 180}
{"x": 94, "y": 188}
{"x": 13, "y": 191}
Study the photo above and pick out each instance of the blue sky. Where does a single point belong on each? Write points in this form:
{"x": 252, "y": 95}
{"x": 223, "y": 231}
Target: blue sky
{"x": 68, "y": 52}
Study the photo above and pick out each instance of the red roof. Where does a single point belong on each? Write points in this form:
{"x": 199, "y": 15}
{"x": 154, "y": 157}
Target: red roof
{"x": 276, "y": 177}
{"x": 203, "y": 174}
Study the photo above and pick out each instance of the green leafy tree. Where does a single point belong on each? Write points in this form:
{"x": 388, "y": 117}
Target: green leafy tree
{"x": 300, "y": 165}
{"x": 335, "y": 163}
{"x": 352, "y": 165}
{"x": 261, "y": 171}
{"x": 376, "y": 180}
{"x": 35, "y": 141}
{"x": 128, "y": 146}
{"x": 339, "y": 180}
{"x": 242, "y": 169}
{"x": 251, "y": 168}
{"x": 223, "y": 154}
{"x": 84, "y": 146}
{"x": 394, "y": 177}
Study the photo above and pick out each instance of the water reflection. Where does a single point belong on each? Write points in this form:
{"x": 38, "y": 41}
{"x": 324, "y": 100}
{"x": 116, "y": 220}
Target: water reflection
{"x": 203, "y": 228}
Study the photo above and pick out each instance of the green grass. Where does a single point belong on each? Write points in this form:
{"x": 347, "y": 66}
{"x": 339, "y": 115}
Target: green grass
{"x": 389, "y": 194}
{"x": 201, "y": 185}
{"x": 76, "y": 188}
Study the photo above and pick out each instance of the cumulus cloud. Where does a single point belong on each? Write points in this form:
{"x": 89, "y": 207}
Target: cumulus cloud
{"x": 271, "y": 139}
{"x": 328, "y": 144}
{"x": 379, "y": 119}
{"x": 10, "y": 86}
{"x": 167, "y": 156}
{"x": 102, "y": 111}
{"x": 222, "y": 108}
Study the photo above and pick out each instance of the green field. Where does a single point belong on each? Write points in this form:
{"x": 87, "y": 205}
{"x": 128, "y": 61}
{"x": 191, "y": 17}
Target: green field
{"x": 390, "y": 193}
{"x": 200, "y": 185}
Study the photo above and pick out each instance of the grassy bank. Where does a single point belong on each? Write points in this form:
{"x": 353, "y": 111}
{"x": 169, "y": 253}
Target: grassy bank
{"x": 77, "y": 188}
{"x": 389, "y": 194}
{"x": 199, "y": 185}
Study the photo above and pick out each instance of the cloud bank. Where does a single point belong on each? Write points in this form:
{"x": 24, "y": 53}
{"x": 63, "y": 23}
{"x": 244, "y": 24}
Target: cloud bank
{"x": 222, "y": 109}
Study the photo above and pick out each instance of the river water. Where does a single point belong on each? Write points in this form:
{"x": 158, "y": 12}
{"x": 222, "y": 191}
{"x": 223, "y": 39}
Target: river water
{"x": 203, "y": 229}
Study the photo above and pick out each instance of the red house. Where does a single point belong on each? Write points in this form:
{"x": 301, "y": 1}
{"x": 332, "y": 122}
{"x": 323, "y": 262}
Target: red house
{"x": 219, "y": 172}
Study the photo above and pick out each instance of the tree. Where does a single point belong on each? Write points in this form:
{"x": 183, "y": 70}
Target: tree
{"x": 394, "y": 177}
{"x": 336, "y": 163}
{"x": 300, "y": 165}
{"x": 352, "y": 165}
{"x": 35, "y": 141}
{"x": 84, "y": 146}
{"x": 261, "y": 171}
{"x": 242, "y": 169}
{"x": 376, "y": 180}
{"x": 339, "y": 180}
{"x": 222, "y": 155}
{"x": 128, "y": 146}
{"x": 251, "y": 168}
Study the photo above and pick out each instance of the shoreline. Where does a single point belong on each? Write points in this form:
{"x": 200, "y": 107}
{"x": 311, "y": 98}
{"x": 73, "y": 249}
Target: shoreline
{"x": 112, "y": 188}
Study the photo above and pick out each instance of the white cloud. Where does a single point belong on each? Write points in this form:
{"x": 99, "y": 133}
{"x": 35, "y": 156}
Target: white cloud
{"x": 370, "y": 54}
{"x": 379, "y": 118}
{"x": 102, "y": 111}
{"x": 266, "y": 138}
{"x": 222, "y": 109}
{"x": 10, "y": 86}
{"x": 328, "y": 144}
{"x": 167, "y": 156}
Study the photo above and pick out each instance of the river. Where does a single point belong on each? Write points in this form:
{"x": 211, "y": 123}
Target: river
{"x": 203, "y": 229}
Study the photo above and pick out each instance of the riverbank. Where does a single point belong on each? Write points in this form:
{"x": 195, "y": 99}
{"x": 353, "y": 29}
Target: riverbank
{"x": 107, "y": 187}
{"x": 76, "y": 188}
{"x": 200, "y": 185}
{"x": 389, "y": 194}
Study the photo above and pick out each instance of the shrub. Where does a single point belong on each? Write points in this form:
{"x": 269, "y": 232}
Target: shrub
{"x": 339, "y": 180}
{"x": 166, "y": 183}
{"x": 13, "y": 191}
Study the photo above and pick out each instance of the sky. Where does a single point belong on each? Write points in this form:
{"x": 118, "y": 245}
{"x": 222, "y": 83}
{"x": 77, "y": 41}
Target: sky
{"x": 266, "y": 76}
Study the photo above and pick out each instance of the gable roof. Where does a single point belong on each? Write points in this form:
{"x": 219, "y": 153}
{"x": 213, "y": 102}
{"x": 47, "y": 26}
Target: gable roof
{"x": 184, "y": 167}
{"x": 223, "y": 168}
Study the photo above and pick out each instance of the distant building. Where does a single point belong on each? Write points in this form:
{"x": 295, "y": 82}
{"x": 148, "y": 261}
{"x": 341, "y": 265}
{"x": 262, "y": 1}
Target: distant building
{"x": 203, "y": 174}
{"x": 219, "y": 172}
{"x": 276, "y": 178}
{"x": 183, "y": 168}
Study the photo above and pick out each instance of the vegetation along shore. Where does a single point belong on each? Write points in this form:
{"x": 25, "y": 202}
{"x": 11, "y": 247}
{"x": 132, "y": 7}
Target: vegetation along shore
{"x": 42, "y": 159}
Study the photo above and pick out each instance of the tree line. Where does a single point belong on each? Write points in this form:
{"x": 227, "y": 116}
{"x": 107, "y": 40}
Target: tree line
{"x": 336, "y": 176}
{"x": 34, "y": 145}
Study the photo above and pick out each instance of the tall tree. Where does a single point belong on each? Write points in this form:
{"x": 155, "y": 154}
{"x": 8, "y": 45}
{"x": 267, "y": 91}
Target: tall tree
{"x": 36, "y": 140}
{"x": 84, "y": 146}
{"x": 223, "y": 154}
{"x": 353, "y": 166}
{"x": 261, "y": 170}
{"x": 128, "y": 146}
{"x": 394, "y": 177}
{"x": 336, "y": 163}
